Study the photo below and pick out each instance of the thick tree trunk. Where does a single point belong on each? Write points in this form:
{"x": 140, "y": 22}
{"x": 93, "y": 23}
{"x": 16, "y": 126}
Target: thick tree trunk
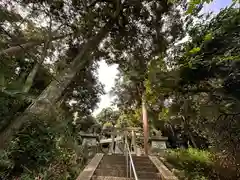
{"x": 16, "y": 49}
{"x": 55, "y": 89}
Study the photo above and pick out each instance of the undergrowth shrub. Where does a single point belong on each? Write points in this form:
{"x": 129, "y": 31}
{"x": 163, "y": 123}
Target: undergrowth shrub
{"x": 5, "y": 163}
{"x": 197, "y": 164}
{"x": 227, "y": 166}
{"x": 203, "y": 165}
{"x": 44, "y": 149}
{"x": 10, "y": 108}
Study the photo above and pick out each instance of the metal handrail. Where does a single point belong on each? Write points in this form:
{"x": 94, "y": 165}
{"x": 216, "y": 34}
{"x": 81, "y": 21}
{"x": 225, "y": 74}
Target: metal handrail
{"x": 131, "y": 162}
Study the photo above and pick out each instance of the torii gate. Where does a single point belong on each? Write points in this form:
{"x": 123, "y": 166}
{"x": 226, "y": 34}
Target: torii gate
{"x": 123, "y": 132}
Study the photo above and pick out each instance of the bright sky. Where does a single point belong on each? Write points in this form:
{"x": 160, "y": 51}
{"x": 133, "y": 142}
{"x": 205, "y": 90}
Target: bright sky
{"x": 216, "y": 5}
{"x": 107, "y": 74}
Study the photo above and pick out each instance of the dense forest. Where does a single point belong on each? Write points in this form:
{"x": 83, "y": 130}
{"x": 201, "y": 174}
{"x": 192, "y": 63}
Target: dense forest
{"x": 180, "y": 62}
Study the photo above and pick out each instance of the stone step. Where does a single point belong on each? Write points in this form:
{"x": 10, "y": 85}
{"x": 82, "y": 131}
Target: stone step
{"x": 114, "y": 166}
{"x": 113, "y": 161}
{"x": 117, "y": 178}
{"x": 122, "y": 173}
{"x": 110, "y": 178}
{"x": 124, "y": 162}
{"x": 119, "y": 158}
{"x": 114, "y": 156}
{"x": 140, "y": 157}
{"x": 123, "y": 159}
{"x": 138, "y": 166}
{"x": 110, "y": 172}
{"x": 150, "y": 168}
{"x": 148, "y": 175}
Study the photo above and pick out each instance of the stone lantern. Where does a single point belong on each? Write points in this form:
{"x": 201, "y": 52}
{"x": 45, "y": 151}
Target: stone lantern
{"x": 90, "y": 141}
{"x": 158, "y": 143}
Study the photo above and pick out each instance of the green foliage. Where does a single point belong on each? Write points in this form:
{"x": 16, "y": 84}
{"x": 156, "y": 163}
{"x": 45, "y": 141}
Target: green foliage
{"x": 208, "y": 37}
{"x": 197, "y": 164}
{"x": 42, "y": 149}
{"x": 107, "y": 116}
{"x": 195, "y": 5}
{"x": 141, "y": 40}
{"x": 5, "y": 163}
{"x": 211, "y": 80}
{"x": 10, "y": 107}
{"x": 130, "y": 119}
{"x": 201, "y": 164}
{"x": 35, "y": 144}
{"x": 107, "y": 125}
{"x": 195, "y": 50}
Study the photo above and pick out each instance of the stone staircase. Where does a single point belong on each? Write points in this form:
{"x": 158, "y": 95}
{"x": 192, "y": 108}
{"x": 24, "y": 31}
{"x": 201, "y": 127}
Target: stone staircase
{"x": 113, "y": 167}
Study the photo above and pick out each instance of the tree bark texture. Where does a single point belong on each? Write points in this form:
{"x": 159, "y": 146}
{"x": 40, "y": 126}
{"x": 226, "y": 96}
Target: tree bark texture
{"x": 50, "y": 96}
{"x": 22, "y": 47}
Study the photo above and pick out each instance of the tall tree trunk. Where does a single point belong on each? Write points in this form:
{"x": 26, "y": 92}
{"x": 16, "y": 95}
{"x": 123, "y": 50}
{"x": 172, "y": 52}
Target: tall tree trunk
{"x": 54, "y": 91}
{"x": 188, "y": 131}
{"x": 22, "y": 47}
{"x": 192, "y": 139}
{"x": 186, "y": 120}
{"x": 29, "y": 81}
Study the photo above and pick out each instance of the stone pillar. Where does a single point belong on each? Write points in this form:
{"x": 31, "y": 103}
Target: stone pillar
{"x": 133, "y": 142}
{"x": 125, "y": 141}
{"x": 112, "y": 144}
{"x": 90, "y": 143}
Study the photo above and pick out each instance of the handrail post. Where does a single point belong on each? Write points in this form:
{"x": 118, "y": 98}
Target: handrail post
{"x": 127, "y": 166}
{"x": 126, "y": 151}
{"x": 130, "y": 161}
{"x": 130, "y": 169}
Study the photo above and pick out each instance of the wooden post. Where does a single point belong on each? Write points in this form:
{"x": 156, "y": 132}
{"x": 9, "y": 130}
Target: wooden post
{"x": 145, "y": 126}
